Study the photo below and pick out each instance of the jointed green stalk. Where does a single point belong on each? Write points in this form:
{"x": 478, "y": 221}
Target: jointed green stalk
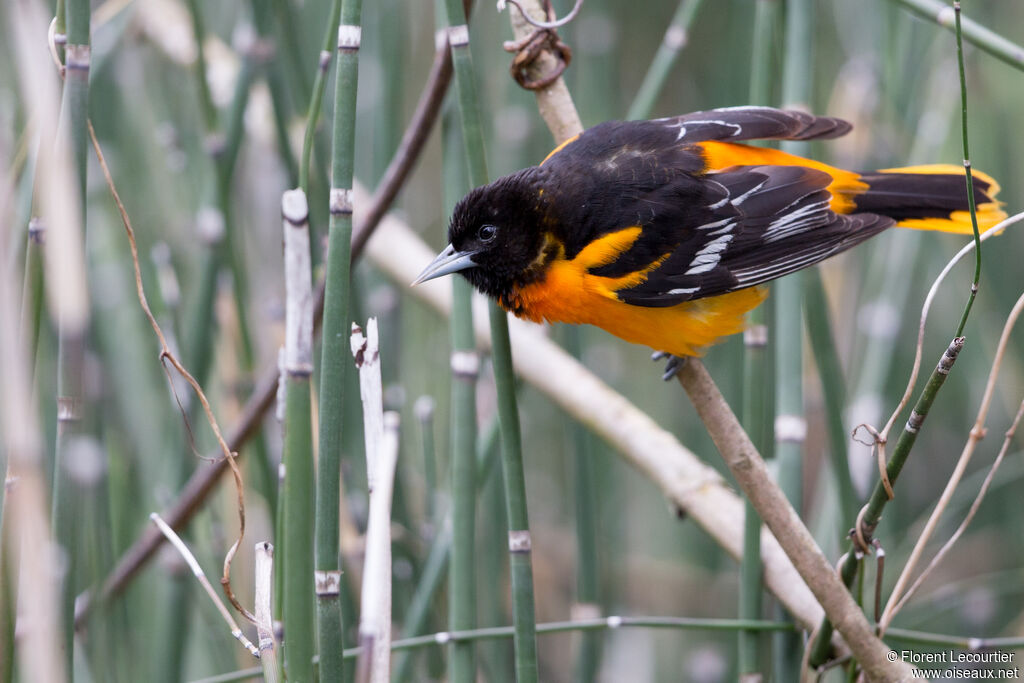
{"x": 819, "y": 330}
{"x": 756, "y": 413}
{"x": 465, "y": 362}
{"x": 319, "y": 85}
{"x": 790, "y": 423}
{"x": 335, "y": 352}
{"x": 967, "y": 172}
{"x": 205, "y": 97}
{"x": 298, "y": 494}
{"x": 501, "y": 355}
{"x": 515, "y": 500}
{"x": 588, "y": 658}
{"x": 74, "y": 118}
{"x": 298, "y": 511}
{"x": 32, "y": 297}
{"x": 437, "y": 561}
{"x": 8, "y": 589}
{"x": 198, "y": 342}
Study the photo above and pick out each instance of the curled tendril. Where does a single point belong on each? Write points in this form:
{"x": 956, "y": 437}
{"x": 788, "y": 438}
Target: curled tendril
{"x": 543, "y": 24}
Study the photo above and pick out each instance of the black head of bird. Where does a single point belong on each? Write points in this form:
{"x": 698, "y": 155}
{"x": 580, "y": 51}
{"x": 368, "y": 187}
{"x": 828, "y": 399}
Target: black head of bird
{"x": 495, "y": 237}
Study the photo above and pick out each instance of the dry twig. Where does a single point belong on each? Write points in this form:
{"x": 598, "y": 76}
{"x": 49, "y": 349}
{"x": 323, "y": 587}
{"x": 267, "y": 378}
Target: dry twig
{"x": 200, "y": 575}
{"x": 166, "y": 355}
{"x": 263, "y": 592}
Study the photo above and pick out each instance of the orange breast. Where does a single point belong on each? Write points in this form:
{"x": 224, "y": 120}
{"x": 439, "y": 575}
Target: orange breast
{"x": 569, "y": 293}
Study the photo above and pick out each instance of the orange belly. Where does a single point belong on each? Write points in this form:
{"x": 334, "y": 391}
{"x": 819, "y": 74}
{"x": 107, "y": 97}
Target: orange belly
{"x": 569, "y": 293}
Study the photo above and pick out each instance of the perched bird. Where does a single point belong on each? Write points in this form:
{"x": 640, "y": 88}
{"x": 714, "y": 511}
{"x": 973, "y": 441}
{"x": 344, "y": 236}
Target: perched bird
{"x": 664, "y": 232}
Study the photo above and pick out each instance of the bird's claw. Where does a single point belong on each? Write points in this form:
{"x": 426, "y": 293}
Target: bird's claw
{"x": 673, "y": 365}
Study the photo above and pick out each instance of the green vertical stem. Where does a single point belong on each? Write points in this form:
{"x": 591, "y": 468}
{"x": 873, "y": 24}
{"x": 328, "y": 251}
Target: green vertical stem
{"x": 668, "y": 51}
{"x": 833, "y": 388}
{"x": 298, "y": 496}
{"x": 462, "y": 608}
{"x": 203, "y": 86}
{"x": 437, "y": 561}
{"x": 415, "y": 617}
{"x": 756, "y": 415}
{"x": 294, "y": 70}
{"x": 214, "y": 225}
{"x": 8, "y": 586}
{"x": 297, "y": 500}
{"x": 501, "y": 355}
{"x": 71, "y": 338}
{"x": 762, "y": 73}
{"x": 264, "y": 19}
{"x": 756, "y": 420}
{"x": 32, "y": 296}
{"x": 319, "y": 85}
{"x": 280, "y": 534}
{"x": 462, "y": 572}
{"x": 391, "y": 20}
{"x": 519, "y": 542}
{"x": 335, "y": 352}
{"x": 967, "y": 169}
{"x": 790, "y": 426}
{"x": 314, "y": 138}
{"x": 225, "y": 152}
{"x": 492, "y": 569}
{"x": 585, "y": 489}
{"x": 424, "y": 409}
{"x": 790, "y": 423}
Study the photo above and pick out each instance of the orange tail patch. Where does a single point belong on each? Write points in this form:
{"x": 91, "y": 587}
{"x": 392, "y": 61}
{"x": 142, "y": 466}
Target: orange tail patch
{"x": 940, "y": 194}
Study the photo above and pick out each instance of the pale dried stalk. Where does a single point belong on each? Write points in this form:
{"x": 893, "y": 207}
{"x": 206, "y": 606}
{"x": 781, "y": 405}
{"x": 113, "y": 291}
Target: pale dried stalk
{"x": 689, "y": 484}
{"x": 197, "y": 572}
{"x": 375, "y": 618}
{"x": 298, "y": 329}
{"x": 64, "y": 257}
{"x": 31, "y": 550}
{"x": 897, "y": 599}
{"x": 166, "y": 354}
{"x": 366, "y": 350}
{"x": 263, "y": 591}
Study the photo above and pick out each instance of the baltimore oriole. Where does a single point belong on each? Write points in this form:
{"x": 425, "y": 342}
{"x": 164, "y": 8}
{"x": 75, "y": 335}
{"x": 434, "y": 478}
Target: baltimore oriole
{"x": 663, "y": 232}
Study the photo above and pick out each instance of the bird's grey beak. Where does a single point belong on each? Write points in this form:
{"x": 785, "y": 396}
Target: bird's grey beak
{"x": 448, "y": 261}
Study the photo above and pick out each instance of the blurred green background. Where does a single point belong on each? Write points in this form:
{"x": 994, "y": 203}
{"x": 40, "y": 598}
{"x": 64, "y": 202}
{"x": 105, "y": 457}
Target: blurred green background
{"x": 891, "y": 73}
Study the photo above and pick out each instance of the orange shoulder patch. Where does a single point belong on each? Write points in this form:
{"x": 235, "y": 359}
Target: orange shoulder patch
{"x": 845, "y": 185}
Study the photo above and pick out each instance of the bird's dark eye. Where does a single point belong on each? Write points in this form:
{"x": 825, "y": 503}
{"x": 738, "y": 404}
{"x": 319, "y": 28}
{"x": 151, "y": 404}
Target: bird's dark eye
{"x": 486, "y": 233}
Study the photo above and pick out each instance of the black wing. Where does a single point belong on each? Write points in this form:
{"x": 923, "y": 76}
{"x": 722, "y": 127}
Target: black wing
{"x": 754, "y": 123}
{"x": 761, "y": 222}
{"x": 603, "y": 148}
